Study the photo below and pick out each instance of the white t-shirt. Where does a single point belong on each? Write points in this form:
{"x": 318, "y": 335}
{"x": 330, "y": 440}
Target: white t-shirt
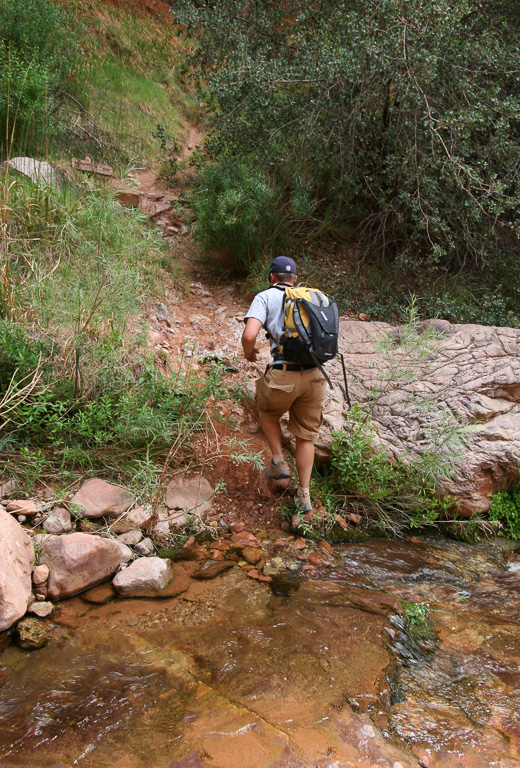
{"x": 267, "y": 307}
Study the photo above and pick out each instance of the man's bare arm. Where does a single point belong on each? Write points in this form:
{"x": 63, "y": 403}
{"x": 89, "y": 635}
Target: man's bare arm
{"x": 249, "y": 338}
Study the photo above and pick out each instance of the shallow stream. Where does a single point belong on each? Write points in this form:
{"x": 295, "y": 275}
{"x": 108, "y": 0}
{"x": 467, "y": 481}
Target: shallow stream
{"x": 321, "y": 673}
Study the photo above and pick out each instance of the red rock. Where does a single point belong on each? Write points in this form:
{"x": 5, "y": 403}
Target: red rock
{"x": 326, "y": 547}
{"x": 145, "y": 577}
{"x": 189, "y": 493}
{"x": 130, "y": 199}
{"x": 16, "y": 560}
{"x": 356, "y": 519}
{"x": 236, "y": 527}
{"x": 40, "y": 575}
{"x": 244, "y": 539}
{"x": 212, "y": 570}
{"x": 316, "y": 559}
{"x": 253, "y": 573}
{"x": 216, "y": 554}
{"x": 21, "y": 507}
{"x": 77, "y": 561}
{"x": 189, "y": 542}
{"x": 99, "y": 595}
{"x": 252, "y": 555}
{"x": 96, "y": 498}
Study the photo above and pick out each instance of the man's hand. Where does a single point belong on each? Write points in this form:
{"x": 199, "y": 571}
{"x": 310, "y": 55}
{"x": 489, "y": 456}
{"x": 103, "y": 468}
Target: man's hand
{"x": 251, "y": 356}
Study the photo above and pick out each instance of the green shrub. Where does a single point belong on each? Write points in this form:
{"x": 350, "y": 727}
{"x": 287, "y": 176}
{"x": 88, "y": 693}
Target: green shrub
{"x": 236, "y": 210}
{"x": 38, "y": 53}
{"x": 391, "y": 494}
{"x": 505, "y": 508}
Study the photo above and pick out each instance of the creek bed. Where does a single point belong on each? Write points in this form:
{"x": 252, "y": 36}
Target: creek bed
{"x": 326, "y": 675}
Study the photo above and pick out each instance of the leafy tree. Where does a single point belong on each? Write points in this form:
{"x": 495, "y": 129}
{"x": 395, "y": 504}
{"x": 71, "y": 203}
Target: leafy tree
{"x": 398, "y": 115}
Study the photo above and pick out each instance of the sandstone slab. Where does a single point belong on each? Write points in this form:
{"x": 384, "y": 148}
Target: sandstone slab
{"x": 96, "y": 498}
{"x": 77, "y": 561}
{"x": 16, "y": 560}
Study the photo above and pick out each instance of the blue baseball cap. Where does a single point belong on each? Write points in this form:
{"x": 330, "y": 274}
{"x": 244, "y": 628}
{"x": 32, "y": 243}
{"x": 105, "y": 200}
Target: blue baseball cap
{"x": 282, "y": 264}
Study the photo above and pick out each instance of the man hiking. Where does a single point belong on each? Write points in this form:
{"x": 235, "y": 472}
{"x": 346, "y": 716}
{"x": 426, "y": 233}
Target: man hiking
{"x": 285, "y": 386}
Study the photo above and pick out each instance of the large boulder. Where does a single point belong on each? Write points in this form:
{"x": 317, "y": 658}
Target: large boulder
{"x": 472, "y": 371}
{"x": 77, "y": 561}
{"x": 96, "y": 498}
{"x": 16, "y": 560}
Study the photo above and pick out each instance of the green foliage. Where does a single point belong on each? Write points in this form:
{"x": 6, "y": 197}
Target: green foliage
{"x": 38, "y": 54}
{"x": 391, "y": 494}
{"x": 416, "y": 614}
{"x": 402, "y": 119}
{"x": 505, "y": 508}
{"x": 236, "y": 209}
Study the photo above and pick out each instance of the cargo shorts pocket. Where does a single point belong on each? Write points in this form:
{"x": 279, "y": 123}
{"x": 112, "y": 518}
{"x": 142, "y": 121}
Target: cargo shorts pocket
{"x": 272, "y": 395}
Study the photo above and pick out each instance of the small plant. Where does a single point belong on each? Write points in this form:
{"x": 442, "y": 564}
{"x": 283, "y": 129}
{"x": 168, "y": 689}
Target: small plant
{"x": 505, "y": 509}
{"x": 416, "y": 614}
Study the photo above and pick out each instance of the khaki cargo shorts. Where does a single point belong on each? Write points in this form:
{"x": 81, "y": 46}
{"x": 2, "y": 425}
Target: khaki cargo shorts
{"x": 301, "y": 392}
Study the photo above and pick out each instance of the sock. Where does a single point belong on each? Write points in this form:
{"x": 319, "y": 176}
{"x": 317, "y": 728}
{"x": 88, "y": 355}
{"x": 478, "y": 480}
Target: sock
{"x": 277, "y": 458}
{"x": 302, "y": 490}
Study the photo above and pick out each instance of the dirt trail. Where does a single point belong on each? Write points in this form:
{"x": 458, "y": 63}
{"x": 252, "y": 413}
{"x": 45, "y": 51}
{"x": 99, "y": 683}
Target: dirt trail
{"x": 204, "y": 324}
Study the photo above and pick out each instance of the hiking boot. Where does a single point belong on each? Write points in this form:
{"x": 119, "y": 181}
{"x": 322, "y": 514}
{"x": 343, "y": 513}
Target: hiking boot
{"x": 303, "y": 502}
{"x": 278, "y": 471}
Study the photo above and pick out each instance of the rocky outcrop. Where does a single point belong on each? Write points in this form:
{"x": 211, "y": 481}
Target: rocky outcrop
{"x": 77, "y": 561}
{"x": 471, "y": 371}
{"x": 16, "y": 560}
{"x": 96, "y": 498}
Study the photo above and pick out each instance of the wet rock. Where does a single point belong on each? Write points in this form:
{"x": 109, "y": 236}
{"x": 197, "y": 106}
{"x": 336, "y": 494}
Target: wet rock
{"x": 131, "y": 538}
{"x": 99, "y": 595}
{"x": 96, "y": 498}
{"x": 21, "y": 507}
{"x": 16, "y": 560}
{"x": 146, "y": 577}
{"x": 243, "y": 539}
{"x": 145, "y": 547}
{"x": 77, "y": 561}
{"x": 58, "y": 521}
{"x": 31, "y": 634}
{"x": 134, "y": 519}
{"x": 259, "y": 576}
{"x": 40, "y": 575}
{"x": 41, "y": 609}
{"x": 252, "y": 555}
{"x": 189, "y": 493}
{"x": 192, "y": 761}
{"x": 210, "y": 570}
{"x": 326, "y": 548}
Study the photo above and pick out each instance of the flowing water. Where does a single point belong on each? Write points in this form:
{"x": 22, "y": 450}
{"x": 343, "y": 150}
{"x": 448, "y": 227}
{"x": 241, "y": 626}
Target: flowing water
{"x": 321, "y": 672}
